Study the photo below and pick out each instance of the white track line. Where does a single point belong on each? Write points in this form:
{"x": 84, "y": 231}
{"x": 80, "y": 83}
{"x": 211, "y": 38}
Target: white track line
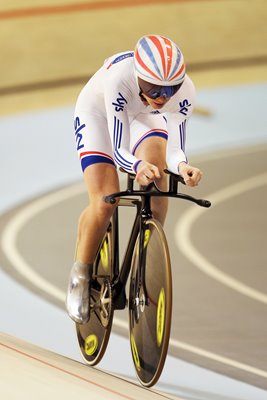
{"x": 218, "y": 358}
{"x": 184, "y": 243}
{"x": 9, "y": 247}
{"x": 13, "y": 227}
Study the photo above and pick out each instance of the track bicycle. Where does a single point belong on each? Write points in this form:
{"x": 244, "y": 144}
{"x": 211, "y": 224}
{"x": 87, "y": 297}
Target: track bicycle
{"x": 146, "y": 264}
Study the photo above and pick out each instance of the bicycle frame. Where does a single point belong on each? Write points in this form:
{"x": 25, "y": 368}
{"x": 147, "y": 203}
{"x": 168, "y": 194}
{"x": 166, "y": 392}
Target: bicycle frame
{"x": 143, "y": 212}
{"x": 120, "y": 277}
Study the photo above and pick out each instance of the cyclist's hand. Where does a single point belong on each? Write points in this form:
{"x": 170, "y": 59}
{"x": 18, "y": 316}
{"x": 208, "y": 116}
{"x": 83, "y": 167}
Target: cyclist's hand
{"x": 191, "y": 175}
{"x": 146, "y": 173}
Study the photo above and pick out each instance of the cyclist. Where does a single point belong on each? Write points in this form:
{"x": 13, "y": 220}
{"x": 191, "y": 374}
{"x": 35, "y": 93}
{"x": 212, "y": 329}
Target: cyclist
{"x": 132, "y": 113}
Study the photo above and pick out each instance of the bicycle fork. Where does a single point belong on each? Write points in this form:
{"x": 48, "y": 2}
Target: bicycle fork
{"x": 141, "y": 298}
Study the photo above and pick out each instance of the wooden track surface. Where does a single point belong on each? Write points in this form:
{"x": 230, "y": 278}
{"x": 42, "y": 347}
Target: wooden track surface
{"x": 29, "y": 372}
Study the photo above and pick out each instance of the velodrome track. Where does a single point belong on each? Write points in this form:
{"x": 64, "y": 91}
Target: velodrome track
{"x": 42, "y": 374}
{"x": 220, "y": 315}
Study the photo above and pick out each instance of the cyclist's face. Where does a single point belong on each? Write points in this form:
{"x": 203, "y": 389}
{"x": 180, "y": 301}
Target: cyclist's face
{"x": 158, "y": 103}
{"x": 155, "y": 95}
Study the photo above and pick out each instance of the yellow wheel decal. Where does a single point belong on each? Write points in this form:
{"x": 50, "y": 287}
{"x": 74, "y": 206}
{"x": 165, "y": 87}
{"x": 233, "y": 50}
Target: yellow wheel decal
{"x": 90, "y": 345}
{"x": 160, "y": 317}
{"x": 104, "y": 255}
{"x": 146, "y": 237}
{"x": 135, "y": 353}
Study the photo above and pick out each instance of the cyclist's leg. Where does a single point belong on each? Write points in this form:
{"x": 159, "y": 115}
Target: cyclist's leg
{"x": 149, "y": 141}
{"x": 101, "y": 178}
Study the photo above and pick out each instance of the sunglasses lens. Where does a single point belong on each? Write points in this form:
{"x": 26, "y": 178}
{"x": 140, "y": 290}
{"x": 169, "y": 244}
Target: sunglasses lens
{"x": 162, "y": 91}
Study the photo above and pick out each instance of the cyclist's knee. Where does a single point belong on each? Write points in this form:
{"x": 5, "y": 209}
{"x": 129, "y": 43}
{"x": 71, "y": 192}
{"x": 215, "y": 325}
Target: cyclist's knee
{"x": 102, "y": 209}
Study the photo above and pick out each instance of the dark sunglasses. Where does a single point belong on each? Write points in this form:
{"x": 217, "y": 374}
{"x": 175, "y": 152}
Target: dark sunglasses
{"x": 154, "y": 91}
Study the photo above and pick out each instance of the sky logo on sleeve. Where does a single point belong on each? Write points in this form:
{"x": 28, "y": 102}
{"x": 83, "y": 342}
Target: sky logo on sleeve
{"x": 78, "y": 135}
{"x": 184, "y": 107}
{"x": 120, "y": 103}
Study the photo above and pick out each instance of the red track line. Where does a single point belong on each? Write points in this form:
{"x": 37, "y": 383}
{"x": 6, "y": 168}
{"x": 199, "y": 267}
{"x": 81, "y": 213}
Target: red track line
{"x": 71, "y": 8}
{"x": 67, "y": 372}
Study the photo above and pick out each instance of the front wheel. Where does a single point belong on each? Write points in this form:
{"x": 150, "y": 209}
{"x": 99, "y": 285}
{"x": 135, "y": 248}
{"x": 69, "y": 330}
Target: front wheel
{"x": 93, "y": 336}
{"x": 150, "y": 302}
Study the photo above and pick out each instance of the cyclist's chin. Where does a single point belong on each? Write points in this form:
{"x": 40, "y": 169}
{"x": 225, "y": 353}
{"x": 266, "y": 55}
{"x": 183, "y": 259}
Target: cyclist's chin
{"x": 156, "y": 106}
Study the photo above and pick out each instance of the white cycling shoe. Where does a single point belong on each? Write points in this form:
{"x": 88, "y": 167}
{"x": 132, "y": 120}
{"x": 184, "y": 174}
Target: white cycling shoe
{"x": 77, "y": 300}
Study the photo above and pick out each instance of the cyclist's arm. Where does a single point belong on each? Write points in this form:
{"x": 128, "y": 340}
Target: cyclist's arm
{"x": 117, "y": 98}
{"x": 181, "y": 108}
{"x": 176, "y": 142}
{"x": 176, "y": 158}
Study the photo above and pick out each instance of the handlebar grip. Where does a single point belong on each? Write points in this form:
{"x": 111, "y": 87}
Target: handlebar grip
{"x": 109, "y": 199}
{"x": 205, "y": 203}
{"x": 174, "y": 176}
{"x": 180, "y": 179}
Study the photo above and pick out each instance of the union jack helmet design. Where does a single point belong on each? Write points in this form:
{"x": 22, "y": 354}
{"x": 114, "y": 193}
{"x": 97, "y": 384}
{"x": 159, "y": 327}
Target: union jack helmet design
{"x": 159, "y": 61}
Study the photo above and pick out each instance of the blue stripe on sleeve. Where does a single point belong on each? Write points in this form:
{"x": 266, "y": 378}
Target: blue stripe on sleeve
{"x": 182, "y": 129}
{"x": 95, "y": 159}
{"x": 117, "y": 136}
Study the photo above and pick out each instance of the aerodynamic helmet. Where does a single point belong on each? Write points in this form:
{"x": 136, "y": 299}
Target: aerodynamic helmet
{"x": 159, "y": 61}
